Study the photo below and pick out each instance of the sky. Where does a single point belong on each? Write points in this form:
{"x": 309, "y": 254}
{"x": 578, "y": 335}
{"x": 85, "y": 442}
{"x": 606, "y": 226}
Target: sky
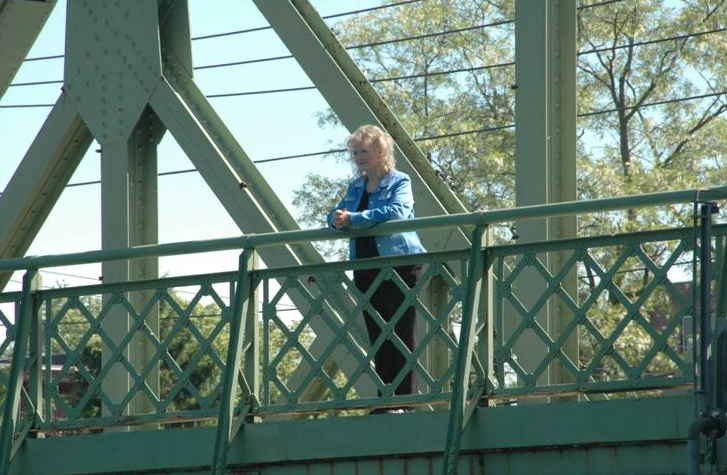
{"x": 266, "y": 126}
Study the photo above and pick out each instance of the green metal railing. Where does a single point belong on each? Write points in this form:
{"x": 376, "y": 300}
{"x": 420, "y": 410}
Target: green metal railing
{"x": 631, "y": 311}
{"x": 628, "y": 314}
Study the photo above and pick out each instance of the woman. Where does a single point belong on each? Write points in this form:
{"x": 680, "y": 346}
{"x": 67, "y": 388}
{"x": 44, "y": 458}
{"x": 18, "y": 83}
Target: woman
{"x": 380, "y": 193}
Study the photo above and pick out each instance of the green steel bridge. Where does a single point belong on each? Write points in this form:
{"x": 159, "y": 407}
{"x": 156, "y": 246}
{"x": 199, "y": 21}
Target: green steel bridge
{"x": 532, "y": 358}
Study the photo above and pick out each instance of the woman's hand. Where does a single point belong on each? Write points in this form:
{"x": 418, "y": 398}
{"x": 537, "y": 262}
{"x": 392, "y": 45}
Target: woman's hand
{"x": 341, "y": 218}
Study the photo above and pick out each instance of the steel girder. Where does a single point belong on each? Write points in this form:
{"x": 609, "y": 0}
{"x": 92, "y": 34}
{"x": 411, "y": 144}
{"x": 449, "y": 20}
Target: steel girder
{"x": 545, "y": 112}
{"x": 20, "y": 23}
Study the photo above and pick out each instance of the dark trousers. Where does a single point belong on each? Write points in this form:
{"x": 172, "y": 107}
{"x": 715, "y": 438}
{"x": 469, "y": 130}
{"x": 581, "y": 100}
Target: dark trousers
{"x": 387, "y": 299}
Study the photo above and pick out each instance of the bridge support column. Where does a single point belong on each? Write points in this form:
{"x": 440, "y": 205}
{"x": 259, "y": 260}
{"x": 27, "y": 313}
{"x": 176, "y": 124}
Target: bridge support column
{"x": 545, "y": 111}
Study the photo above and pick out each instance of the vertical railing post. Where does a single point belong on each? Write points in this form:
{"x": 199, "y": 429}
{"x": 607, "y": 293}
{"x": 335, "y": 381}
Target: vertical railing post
{"x": 463, "y": 363}
{"x": 705, "y": 302}
{"x": 17, "y": 365}
{"x": 232, "y": 363}
{"x": 485, "y": 321}
{"x": 35, "y": 358}
{"x": 251, "y": 337}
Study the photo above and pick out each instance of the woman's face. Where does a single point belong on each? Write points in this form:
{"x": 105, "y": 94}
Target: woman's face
{"x": 367, "y": 156}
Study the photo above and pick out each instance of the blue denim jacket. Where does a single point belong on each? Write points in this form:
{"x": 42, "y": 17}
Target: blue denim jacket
{"x": 393, "y": 199}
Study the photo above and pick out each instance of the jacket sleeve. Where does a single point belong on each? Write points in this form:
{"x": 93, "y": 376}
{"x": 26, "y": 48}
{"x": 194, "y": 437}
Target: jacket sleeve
{"x": 340, "y": 205}
{"x": 398, "y": 206}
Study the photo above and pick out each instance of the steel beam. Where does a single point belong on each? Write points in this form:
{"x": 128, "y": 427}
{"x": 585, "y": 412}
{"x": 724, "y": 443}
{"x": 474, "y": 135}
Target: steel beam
{"x": 238, "y": 319}
{"x": 40, "y": 179}
{"x": 143, "y": 229}
{"x": 112, "y": 65}
{"x": 20, "y": 24}
{"x": 17, "y": 370}
{"x": 114, "y": 234}
{"x": 463, "y": 363}
{"x": 545, "y": 151}
{"x": 561, "y": 24}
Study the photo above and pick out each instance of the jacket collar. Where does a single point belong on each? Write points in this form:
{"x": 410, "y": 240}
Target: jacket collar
{"x": 385, "y": 180}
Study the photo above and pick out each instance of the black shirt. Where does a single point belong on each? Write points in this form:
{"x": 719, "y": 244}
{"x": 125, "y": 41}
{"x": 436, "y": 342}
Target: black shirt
{"x": 365, "y": 246}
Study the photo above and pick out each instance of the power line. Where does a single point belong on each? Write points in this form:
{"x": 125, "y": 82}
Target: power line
{"x": 430, "y": 35}
{"x": 44, "y": 58}
{"x": 363, "y": 45}
{"x": 36, "y": 83}
{"x": 324, "y": 152}
{"x": 418, "y": 139}
{"x": 276, "y": 58}
{"x": 656, "y": 103}
{"x": 260, "y": 28}
{"x": 336, "y": 15}
{"x": 441, "y": 73}
{"x": 302, "y": 155}
{"x": 599, "y": 4}
{"x": 374, "y": 80}
{"x": 651, "y": 42}
{"x": 247, "y": 61}
{"x": 327, "y": 17}
{"x": 24, "y": 106}
{"x": 465, "y": 132}
{"x": 65, "y": 274}
{"x": 370, "y": 9}
{"x": 265, "y": 91}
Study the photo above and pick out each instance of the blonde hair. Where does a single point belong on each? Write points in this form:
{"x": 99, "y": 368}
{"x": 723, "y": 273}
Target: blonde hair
{"x": 374, "y": 134}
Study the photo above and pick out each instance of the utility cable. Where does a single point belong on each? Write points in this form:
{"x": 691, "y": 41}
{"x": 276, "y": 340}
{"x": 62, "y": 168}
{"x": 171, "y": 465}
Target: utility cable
{"x": 599, "y": 4}
{"x": 363, "y": 45}
{"x": 276, "y": 58}
{"x": 656, "y": 103}
{"x": 35, "y": 83}
{"x": 374, "y": 80}
{"x": 430, "y": 35}
{"x": 45, "y": 58}
{"x": 24, "y": 106}
{"x": 261, "y": 28}
{"x": 327, "y": 17}
{"x": 651, "y": 42}
{"x": 324, "y": 152}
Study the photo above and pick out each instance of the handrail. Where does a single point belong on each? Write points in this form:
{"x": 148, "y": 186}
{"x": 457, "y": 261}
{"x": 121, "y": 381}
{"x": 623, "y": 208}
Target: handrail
{"x": 476, "y": 218}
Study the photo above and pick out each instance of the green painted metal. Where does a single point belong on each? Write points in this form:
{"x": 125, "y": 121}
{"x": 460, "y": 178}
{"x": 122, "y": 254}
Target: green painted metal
{"x": 492, "y": 372}
{"x": 562, "y": 110}
{"x": 112, "y": 64}
{"x": 438, "y": 355}
{"x": 15, "y": 378}
{"x": 463, "y": 362}
{"x": 78, "y": 307}
{"x": 259, "y": 241}
{"x": 583, "y": 251}
{"x": 35, "y": 354}
{"x": 40, "y": 178}
{"x": 7, "y": 326}
{"x": 238, "y": 320}
{"x": 20, "y": 24}
{"x": 545, "y": 57}
{"x": 114, "y": 234}
{"x": 434, "y": 387}
{"x": 569, "y": 438}
{"x": 143, "y": 230}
